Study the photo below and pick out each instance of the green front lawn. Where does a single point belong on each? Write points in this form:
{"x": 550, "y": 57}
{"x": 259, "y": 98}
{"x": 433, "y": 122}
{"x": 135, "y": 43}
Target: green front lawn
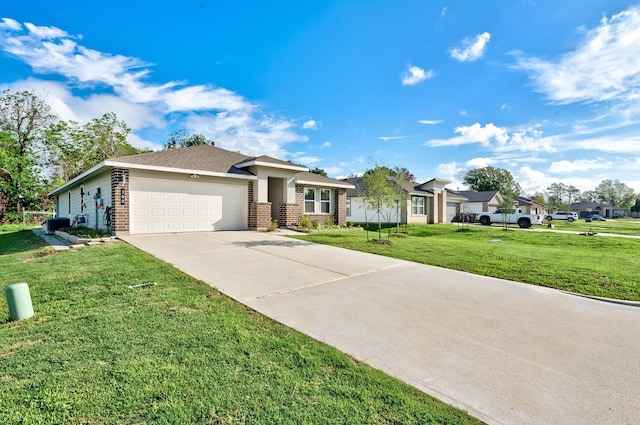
{"x": 601, "y": 266}
{"x": 621, "y": 226}
{"x": 178, "y": 352}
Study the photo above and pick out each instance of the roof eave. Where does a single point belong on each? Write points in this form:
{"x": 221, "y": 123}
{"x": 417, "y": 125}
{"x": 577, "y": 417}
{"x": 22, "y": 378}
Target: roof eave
{"x": 326, "y": 184}
{"x": 80, "y": 178}
{"x": 271, "y": 165}
{"x": 180, "y": 170}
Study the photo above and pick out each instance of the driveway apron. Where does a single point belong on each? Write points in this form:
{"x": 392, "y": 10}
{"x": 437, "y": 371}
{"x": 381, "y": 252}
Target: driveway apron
{"x": 506, "y": 352}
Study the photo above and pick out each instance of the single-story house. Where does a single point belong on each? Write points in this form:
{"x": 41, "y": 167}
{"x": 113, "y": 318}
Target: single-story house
{"x": 477, "y": 202}
{"x": 585, "y": 209}
{"x": 427, "y": 203}
{"x": 529, "y": 206}
{"x": 199, "y": 188}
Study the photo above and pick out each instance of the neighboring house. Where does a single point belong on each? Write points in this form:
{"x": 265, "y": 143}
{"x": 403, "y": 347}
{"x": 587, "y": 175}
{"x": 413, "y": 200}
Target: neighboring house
{"x": 529, "y": 206}
{"x": 584, "y": 209}
{"x": 427, "y": 203}
{"x": 477, "y": 202}
{"x": 199, "y": 188}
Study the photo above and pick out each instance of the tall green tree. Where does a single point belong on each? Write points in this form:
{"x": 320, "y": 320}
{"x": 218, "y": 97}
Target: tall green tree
{"x": 25, "y": 119}
{"x": 74, "y": 147}
{"x": 491, "y": 178}
{"x": 319, "y": 171}
{"x": 183, "y": 139}
{"x": 556, "y": 194}
{"x": 378, "y": 194}
{"x": 613, "y": 192}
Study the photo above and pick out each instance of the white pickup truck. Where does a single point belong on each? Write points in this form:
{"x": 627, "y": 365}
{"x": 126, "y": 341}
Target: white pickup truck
{"x": 524, "y": 221}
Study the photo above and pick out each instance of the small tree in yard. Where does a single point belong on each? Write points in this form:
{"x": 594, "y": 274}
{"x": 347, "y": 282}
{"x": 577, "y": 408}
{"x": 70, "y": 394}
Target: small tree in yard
{"x": 400, "y": 177}
{"x": 506, "y": 206}
{"x": 378, "y": 193}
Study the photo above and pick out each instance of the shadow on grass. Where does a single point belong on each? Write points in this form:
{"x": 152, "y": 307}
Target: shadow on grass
{"x": 19, "y": 241}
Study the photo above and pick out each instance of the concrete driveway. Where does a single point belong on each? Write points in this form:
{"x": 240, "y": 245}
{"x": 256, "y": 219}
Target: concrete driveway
{"x": 506, "y": 352}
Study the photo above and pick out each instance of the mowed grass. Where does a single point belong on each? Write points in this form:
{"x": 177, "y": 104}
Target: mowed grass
{"x": 592, "y": 265}
{"x": 621, "y": 226}
{"x": 175, "y": 353}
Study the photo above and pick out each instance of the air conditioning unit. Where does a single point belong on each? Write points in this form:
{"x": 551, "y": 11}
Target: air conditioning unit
{"x": 54, "y": 224}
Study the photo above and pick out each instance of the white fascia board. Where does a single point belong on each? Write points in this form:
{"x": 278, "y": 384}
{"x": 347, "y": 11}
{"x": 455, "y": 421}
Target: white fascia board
{"x": 91, "y": 171}
{"x": 324, "y": 184}
{"x": 425, "y": 194}
{"x": 271, "y": 165}
{"x": 114, "y": 164}
{"x": 179, "y": 170}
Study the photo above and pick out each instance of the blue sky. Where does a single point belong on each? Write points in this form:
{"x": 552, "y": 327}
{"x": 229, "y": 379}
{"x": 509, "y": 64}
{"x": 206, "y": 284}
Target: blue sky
{"x": 547, "y": 89}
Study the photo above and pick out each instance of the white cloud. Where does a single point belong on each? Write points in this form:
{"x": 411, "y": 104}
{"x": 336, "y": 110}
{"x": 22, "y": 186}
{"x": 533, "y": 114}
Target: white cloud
{"x": 121, "y": 85}
{"x": 204, "y": 98}
{"x": 430, "y": 122}
{"x": 387, "y": 138}
{"x": 533, "y": 181}
{"x": 303, "y": 158}
{"x": 443, "y": 11}
{"x": 69, "y": 107}
{"x": 463, "y": 112}
{"x": 565, "y": 166}
{"x": 310, "y": 125}
{"x": 334, "y": 171}
{"x": 451, "y": 171}
{"x": 604, "y": 66}
{"x": 471, "y": 49}
{"x": 242, "y": 131}
{"x": 474, "y": 133}
{"x": 479, "y": 162}
{"x": 10, "y": 24}
{"x": 414, "y": 75}
{"x": 505, "y": 107}
{"x": 326, "y": 144}
{"x": 499, "y": 139}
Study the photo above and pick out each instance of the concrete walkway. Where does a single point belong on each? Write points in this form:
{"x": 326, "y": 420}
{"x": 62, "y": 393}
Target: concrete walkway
{"x": 506, "y": 352}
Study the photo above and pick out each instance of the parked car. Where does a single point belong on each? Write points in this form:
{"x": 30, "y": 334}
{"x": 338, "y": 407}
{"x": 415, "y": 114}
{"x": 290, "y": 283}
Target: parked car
{"x": 562, "y": 215}
{"x": 596, "y": 217}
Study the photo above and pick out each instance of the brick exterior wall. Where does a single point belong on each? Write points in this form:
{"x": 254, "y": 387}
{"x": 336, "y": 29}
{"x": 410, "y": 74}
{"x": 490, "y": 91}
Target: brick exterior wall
{"x": 340, "y": 206}
{"x": 289, "y": 215}
{"x": 120, "y": 204}
{"x": 259, "y": 215}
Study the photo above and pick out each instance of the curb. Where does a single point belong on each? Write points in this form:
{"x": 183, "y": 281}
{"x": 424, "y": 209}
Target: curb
{"x": 606, "y": 300}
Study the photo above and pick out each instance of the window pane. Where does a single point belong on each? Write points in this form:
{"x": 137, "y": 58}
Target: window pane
{"x": 325, "y": 194}
{"x": 309, "y": 194}
{"x": 324, "y": 207}
{"x": 348, "y": 207}
{"x": 308, "y": 207}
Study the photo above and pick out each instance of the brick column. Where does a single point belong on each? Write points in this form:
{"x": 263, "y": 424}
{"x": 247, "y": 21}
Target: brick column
{"x": 289, "y": 215}
{"x": 120, "y": 200}
{"x": 259, "y": 215}
{"x": 340, "y": 203}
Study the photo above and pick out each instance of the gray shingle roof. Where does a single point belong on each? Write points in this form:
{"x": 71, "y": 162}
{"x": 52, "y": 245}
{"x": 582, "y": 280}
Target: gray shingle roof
{"x": 307, "y": 176}
{"x": 411, "y": 187}
{"x": 473, "y": 196}
{"x": 203, "y": 158}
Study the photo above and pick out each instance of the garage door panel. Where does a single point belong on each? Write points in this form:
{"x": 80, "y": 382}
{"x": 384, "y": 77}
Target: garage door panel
{"x": 168, "y": 206}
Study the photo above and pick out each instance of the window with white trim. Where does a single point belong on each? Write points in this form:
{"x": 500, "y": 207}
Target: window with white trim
{"x": 417, "y": 205}
{"x": 309, "y": 200}
{"x": 325, "y": 201}
{"x": 317, "y": 201}
{"x": 348, "y": 207}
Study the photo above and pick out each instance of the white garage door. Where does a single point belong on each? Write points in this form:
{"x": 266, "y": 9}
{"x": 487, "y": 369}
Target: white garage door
{"x": 452, "y": 210}
{"x": 161, "y": 206}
